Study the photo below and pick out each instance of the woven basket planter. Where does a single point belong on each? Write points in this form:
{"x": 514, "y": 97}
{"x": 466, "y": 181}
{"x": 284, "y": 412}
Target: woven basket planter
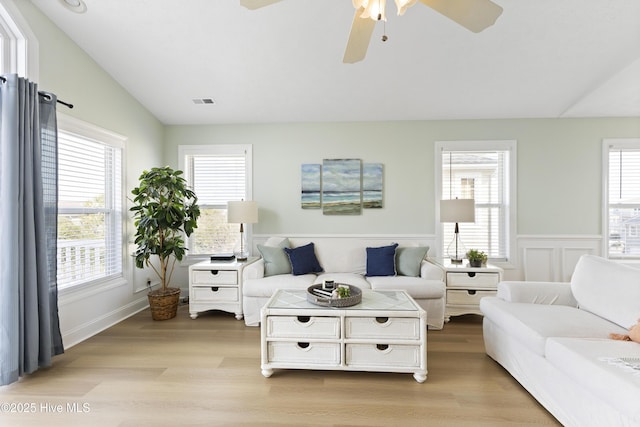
{"x": 164, "y": 305}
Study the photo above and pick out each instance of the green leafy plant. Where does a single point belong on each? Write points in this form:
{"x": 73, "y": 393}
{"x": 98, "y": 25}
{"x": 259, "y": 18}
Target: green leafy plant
{"x": 165, "y": 210}
{"x": 476, "y": 256}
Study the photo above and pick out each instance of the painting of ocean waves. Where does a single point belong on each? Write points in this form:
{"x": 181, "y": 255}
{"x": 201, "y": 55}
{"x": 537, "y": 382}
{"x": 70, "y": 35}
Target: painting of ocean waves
{"x": 342, "y": 186}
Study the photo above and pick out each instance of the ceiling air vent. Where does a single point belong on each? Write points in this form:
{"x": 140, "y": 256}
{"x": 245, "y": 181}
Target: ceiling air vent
{"x": 204, "y": 101}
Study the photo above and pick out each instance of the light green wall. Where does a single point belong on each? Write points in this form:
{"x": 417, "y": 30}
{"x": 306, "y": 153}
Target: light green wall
{"x": 559, "y": 169}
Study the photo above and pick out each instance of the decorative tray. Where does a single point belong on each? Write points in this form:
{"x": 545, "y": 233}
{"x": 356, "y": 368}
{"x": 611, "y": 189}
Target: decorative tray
{"x": 321, "y": 295}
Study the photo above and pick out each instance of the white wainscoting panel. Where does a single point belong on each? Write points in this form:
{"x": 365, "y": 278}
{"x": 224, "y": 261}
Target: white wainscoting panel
{"x": 553, "y": 258}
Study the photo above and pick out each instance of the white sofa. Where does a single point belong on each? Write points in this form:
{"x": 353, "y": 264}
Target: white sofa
{"x": 553, "y": 338}
{"x": 344, "y": 260}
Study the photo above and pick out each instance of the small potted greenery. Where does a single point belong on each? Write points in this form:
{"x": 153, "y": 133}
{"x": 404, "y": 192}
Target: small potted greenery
{"x": 165, "y": 210}
{"x": 476, "y": 258}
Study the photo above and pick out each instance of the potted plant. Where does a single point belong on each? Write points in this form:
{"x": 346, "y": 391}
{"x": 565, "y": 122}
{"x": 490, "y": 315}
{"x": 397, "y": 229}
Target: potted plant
{"x": 165, "y": 210}
{"x": 476, "y": 258}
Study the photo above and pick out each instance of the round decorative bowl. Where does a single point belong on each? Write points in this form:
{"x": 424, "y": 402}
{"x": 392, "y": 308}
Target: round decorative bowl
{"x": 355, "y": 297}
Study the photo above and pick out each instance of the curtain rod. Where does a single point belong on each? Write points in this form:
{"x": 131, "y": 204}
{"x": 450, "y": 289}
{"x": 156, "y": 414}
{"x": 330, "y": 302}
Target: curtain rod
{"x": 66, "y": 104}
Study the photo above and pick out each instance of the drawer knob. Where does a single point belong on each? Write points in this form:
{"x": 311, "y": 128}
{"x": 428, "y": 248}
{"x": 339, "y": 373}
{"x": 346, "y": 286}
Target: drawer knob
{"x": 382, "y": 319}
{"x": 382, "y": 347}
{"x": 303, "y": 344}
{"x": 214, "y": 272}
{"x": 214, "y": 289}
{"x": 471, "y": 291}
{"x": 471, "y": 274}
{"x": 304, "y": 319}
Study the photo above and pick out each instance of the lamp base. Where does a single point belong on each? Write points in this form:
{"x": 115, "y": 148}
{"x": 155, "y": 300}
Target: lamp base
{"x": 455, "y": 260}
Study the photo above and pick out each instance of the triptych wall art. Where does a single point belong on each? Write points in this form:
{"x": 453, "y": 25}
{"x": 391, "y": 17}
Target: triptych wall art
{"x": 341, "y": 186}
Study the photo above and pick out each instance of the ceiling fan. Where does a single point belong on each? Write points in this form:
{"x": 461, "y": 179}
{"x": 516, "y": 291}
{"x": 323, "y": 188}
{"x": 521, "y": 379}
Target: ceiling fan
{"x": 475, "y": 15}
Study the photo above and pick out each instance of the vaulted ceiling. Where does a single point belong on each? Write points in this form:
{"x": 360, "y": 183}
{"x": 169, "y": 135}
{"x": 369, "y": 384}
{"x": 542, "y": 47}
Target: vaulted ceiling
{"x": 283, "y": 63}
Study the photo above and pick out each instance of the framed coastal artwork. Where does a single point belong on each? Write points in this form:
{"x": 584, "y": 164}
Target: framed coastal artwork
{"x": 342, "y": 186}
{"x": 311, "y": 186}
{"x": 372, "y": 185}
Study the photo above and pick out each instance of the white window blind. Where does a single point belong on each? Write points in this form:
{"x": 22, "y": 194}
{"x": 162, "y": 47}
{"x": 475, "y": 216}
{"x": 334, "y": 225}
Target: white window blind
{"x": 623, "y": 193}
{"x": 89, "y": 210}
{"x": 217, "y": 175}
{"x": 482, "y": 175}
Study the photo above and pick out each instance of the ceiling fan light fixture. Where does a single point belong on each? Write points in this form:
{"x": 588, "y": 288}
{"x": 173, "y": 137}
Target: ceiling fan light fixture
{"x": 403, "y": 5}
{"x": 374, "y": 9}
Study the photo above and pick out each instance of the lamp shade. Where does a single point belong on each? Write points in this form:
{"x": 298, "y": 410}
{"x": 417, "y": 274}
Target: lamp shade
{"x": 457, "y": 210}
{"x": 242, "y": 212}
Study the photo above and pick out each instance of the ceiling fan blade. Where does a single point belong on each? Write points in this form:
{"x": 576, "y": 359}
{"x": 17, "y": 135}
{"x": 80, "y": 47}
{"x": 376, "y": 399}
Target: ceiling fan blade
{"x": 474, "y": 15}
{"x": 257, "y": 4}
{"x": 359, "y": 37}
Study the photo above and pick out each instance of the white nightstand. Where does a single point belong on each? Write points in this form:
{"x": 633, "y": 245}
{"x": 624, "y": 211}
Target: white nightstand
{"x": 216, "y": 285}
{"x": 466, "y": 285}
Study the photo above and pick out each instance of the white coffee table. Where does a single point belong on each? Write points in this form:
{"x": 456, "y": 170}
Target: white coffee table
{"x": 386, "y": 332}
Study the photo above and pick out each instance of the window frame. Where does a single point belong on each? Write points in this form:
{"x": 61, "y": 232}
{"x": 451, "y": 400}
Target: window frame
{"x": 220, "y": 149}
{"x": 511, "y": 191}
{"x": 607, "y": 145}
{"x": 19, "y": 48}
{"x": 81, "y": 129}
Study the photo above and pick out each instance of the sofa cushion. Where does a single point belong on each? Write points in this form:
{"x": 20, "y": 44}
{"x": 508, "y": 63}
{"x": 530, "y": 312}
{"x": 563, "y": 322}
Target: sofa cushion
{"x": 303, "y": 259}
{"x": 275, "y": 258}
{"x": 608, "y": 289}
{"x": 266, "y": 286}
{"x": 346, "y": 278}
{"x": 409, "y": 259}
{"x": 532, "y": 324}
{"x": 596, "y": 365}
{"x": 417, "y": 287}
{"x": 381, "y": 261}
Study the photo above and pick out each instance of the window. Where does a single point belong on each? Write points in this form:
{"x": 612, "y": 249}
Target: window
{"x": 483, "y": 171}
{"x": 622, "y": 191}
{"x": 218, "y": 174}
{"x": 90, "y": 226}
{"x": 18, "y": 45}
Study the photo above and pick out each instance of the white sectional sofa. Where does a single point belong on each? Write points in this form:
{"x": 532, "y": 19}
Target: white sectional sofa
{"x": 346, "y": 260}
{"x": 553, "y": 338}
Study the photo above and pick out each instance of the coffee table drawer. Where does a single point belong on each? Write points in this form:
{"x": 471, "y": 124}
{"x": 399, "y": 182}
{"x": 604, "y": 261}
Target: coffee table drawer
{"x": 382, "y": 327}
{"x": 377, "y": 355}
{"x": 303, "y": 327}
{"x": 303, "y": 353}
{"x": 467, "y": 297}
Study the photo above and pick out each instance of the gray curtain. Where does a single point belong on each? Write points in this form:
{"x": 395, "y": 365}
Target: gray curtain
{"x": 29, "y": 325}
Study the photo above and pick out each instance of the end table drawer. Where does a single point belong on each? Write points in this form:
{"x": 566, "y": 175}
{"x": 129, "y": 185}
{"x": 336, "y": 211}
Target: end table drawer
{"x": 214, "y": 293}
{"x": 303, "y": 326}
{"x": 407, "y": 356}
{"x": 215, "y": 277}
{"x": 473, "y": 280}
{"x": 467, "y": 297}
{"x": 303, "y": 353}
{"x": 382, "y": 327}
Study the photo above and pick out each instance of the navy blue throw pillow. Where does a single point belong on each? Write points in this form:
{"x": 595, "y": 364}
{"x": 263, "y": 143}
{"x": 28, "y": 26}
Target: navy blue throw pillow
{"x": 303, "y": 259}
{"x": 382, "y": 261}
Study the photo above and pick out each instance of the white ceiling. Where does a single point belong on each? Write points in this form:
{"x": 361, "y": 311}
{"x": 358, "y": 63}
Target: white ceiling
{"x": 283, "y": 63}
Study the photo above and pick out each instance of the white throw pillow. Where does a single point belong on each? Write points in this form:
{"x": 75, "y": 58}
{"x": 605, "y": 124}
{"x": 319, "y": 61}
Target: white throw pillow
{"x": 608, "y": 289}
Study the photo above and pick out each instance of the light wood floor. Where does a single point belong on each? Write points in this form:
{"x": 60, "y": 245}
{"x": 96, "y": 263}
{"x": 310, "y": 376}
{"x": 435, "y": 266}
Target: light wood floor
{"x": 206, "y": 372}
